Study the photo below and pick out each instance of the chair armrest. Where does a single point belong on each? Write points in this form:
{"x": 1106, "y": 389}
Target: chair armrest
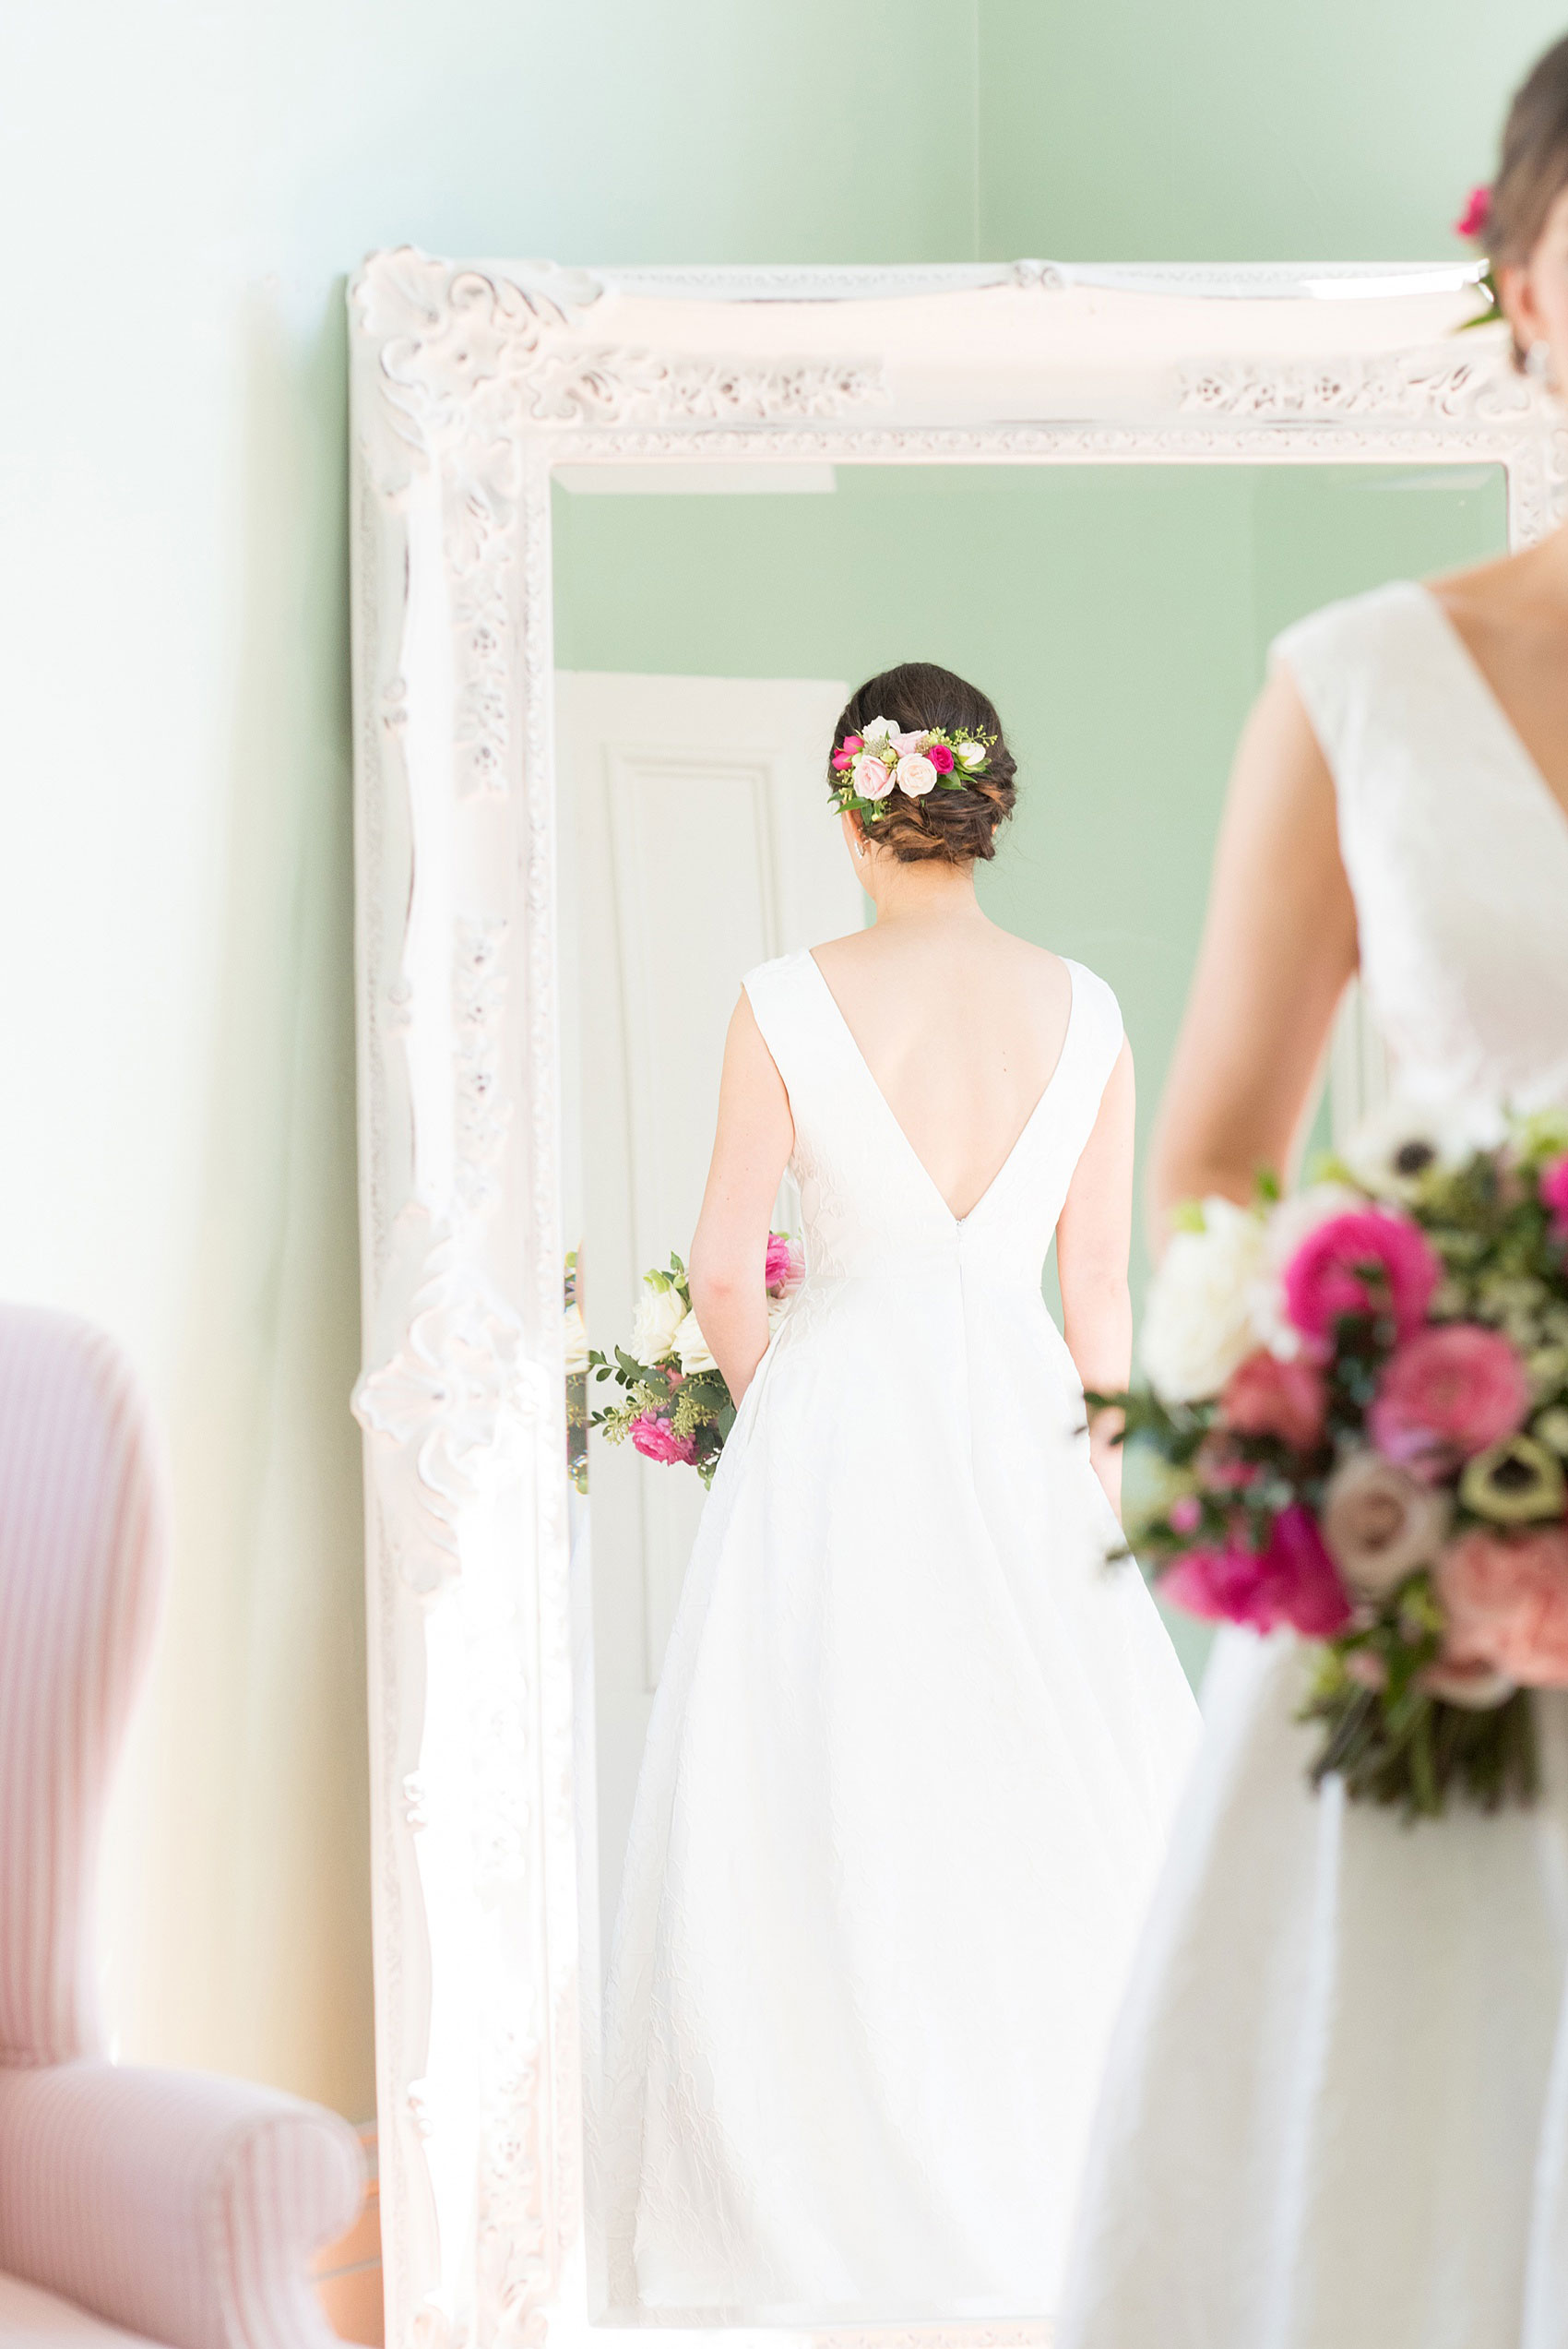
{"x": 177, "y": 2205}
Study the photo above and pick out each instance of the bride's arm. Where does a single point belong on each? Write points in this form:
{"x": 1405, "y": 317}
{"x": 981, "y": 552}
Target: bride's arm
{"x": 1092, "y": 1234}
{"x": 1278, "y": 944}
{"x": 751, "y": 1148}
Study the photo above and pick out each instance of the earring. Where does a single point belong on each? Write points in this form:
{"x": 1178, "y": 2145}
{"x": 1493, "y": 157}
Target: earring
{"x": 1537, "y": 365}
{"x": 860, "y": 848}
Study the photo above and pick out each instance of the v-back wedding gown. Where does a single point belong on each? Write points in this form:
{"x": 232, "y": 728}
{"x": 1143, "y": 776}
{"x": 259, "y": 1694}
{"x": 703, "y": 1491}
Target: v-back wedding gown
{"x": 911, "y": 1759}
{"x": 1336, "y": 2111}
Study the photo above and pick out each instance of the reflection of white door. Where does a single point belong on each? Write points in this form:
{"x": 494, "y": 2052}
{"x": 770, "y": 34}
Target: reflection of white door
{"x": 697, "y": 840}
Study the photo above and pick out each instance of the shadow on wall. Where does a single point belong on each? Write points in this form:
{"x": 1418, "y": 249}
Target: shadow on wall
{"x": 255, "y": 1863}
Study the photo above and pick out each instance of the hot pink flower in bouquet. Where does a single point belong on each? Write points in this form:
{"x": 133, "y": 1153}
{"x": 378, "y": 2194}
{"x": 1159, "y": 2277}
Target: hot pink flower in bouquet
{"x": 1356, "y": 1430}
{"x": 656, "y": 1440}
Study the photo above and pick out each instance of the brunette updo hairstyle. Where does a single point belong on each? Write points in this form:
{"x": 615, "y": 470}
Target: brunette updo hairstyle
{"x": 958, "y": 827}
{"x": 1532, "y": 170}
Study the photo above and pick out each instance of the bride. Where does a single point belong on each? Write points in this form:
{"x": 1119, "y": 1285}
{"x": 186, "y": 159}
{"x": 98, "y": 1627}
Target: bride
{"x": 913, "y": 1752}
{"x": 1336, "y": 2113}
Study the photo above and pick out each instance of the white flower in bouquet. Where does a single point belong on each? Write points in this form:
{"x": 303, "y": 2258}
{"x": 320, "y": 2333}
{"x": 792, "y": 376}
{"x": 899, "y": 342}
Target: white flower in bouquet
{"x": 1394, "y": 1151}
{"x": 691, "y": 1347}
{"x": 574, "y": 1337}
{"x": 779, "y": 1309}
{"x": 915, "y": 774}
{"x": 1201, "y": 1319}
{"x": 658, "y": 1315}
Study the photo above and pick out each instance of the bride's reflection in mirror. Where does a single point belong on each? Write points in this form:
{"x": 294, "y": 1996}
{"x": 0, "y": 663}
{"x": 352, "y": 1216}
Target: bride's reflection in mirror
{"x": 884, "y": 1749}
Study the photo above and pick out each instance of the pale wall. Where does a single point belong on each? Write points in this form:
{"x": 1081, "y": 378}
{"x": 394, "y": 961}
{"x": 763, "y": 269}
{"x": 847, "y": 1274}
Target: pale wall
{"x": 185, "y": 187}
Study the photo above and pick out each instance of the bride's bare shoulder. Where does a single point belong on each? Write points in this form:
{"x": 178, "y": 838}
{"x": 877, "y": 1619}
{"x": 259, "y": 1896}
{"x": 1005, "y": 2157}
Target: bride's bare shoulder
{"x": 1017, "y": 961}
{"x": 1494, "y": 589}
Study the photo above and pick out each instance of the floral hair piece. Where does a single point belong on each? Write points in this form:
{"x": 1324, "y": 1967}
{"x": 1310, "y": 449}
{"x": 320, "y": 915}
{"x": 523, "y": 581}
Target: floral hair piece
{"x": 1473, "y": 225}
{"x": 872, "y": 766}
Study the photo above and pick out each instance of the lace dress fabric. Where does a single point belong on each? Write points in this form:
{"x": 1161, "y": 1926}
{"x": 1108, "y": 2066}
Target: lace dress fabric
{"x": 1335, "y": 2113}
{"x": 911, "y": 1761}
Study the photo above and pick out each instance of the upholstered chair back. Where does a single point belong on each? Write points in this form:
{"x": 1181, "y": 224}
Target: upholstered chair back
{"x": 82, "y": 1561}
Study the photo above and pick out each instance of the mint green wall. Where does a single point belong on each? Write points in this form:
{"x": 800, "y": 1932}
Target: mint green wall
{"x": 175, "y": 928}
{"x": 1242, "y": 130}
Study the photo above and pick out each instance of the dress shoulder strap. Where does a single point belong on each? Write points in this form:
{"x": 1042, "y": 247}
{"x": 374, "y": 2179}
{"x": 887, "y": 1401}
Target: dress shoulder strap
{"x": 1339, "y": 658}
{"x": 1095, "y": 1035}
{"x": 775, "y": 991}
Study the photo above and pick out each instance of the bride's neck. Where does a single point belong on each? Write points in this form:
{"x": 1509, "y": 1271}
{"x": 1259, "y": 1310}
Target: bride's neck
{"x": 929, "y": 891}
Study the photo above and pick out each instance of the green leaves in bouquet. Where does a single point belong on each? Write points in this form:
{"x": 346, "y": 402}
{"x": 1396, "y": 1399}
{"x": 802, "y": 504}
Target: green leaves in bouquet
{"x": 1397, "y": 1744}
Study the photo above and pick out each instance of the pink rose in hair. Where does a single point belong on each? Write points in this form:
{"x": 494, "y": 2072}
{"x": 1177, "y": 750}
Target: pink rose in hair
{"x": 656, "y": 1440}
{"x": 1476, "y": 218}
{"x": 940, "y": 757}
{"x": 1554, "y": 1195}
{"x": 1447, "y": 1393}
{"x": 785, "y": 1263}
{"x": 1290, "y": 1582}
{"x": 1506, "y": 1597}
{"x": 1367, "y": 1262}
{"x": 852, "y": 743}
{"x": 873, "y": 779}
{"x": 842, "y": 759}
{"x": 1267, "y": 1397}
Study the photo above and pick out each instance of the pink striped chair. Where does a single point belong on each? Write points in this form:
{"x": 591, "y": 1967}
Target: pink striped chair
{"x": 137, "y": 2206}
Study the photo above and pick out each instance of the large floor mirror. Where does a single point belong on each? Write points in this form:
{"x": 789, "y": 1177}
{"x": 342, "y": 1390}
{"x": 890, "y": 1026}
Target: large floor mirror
{"x": 707, "y": 637}
{"x": 624, "y": 549}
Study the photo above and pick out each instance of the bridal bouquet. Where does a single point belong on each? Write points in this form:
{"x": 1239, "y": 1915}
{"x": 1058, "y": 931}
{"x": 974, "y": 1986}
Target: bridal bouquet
{"x": 1356, "y": 1425}
{"x": 676, "y": 1406}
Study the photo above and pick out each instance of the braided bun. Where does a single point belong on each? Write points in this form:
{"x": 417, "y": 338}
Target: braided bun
{"x": 959, "y": 827}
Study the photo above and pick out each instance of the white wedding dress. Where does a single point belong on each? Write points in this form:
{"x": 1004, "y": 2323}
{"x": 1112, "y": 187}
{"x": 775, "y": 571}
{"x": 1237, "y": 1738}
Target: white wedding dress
{"x": 911, "y": 1762}
{"x": 1336, "y": 2111}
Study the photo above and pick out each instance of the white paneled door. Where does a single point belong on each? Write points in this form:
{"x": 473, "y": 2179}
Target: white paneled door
{"x": 697, "y": 840}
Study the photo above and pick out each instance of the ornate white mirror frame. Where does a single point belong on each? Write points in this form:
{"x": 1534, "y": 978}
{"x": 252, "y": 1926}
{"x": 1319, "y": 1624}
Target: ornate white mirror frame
{"x": 470, "y": 383}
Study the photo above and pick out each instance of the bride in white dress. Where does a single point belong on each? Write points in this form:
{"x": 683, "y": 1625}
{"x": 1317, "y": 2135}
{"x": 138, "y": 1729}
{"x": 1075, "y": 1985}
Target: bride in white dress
{"x": 1336, "y": 2110}
{"x": 914, "y": 1749}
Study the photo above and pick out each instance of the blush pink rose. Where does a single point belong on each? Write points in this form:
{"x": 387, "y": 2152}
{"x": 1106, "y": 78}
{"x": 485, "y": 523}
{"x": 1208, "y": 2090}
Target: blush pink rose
{"x": 873, "y": 779}
{"x": 1447, "y": 1393}
{"x": 656, "y": 1440}
{"x": 785, "y": 1263}
{"x": 940, "y": 757}
{"x": 1290, "y": 1582}
{"x": 1267, "y": 1397}
{"x": 1366, "y": 1261}
{"x": 1554, "y": 1194}
{"x": 1506, "y": 1597}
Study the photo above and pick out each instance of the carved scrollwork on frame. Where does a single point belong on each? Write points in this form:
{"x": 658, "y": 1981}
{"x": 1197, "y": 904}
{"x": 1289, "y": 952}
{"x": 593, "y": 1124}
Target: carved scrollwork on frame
{"x": 1451, "y": 385}
{"x": 469, "y": 385}
{"x": 451, "y": 1404}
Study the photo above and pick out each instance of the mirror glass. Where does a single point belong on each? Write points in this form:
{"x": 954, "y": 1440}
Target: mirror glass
{"x": 709, "y": 626}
